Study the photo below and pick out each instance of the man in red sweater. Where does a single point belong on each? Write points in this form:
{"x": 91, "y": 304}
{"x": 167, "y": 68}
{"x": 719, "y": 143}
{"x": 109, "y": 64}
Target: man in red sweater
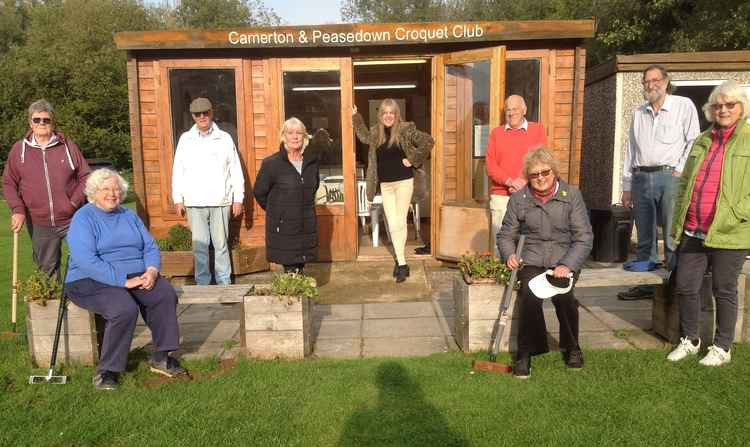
{"x": 508, "y": 144}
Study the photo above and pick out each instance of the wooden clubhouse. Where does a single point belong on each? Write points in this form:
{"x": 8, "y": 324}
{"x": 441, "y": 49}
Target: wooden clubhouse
{"x": 449, "y": 78}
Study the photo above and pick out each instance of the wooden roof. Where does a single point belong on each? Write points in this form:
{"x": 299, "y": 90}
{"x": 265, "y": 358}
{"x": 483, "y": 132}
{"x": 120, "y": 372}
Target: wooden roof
{"x": 697, "y": 61}
{"x": 354, "y": 35}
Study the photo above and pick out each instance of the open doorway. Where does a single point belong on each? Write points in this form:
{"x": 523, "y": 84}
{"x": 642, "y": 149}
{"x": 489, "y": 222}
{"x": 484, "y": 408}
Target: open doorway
{"x": 408, "y": 81}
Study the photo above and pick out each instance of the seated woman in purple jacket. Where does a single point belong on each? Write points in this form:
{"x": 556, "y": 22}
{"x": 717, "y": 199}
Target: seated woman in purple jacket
{"x": 114, "y": 272}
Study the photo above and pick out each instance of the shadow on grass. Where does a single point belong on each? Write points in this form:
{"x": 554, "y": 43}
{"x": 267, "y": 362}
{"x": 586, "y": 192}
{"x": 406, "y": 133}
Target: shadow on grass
{"x": 400, "y": 416}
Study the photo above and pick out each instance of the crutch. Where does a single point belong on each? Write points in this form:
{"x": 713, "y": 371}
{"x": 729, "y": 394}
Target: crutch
{"x": 501, "y": 322}
{"x": 50, "y": 377}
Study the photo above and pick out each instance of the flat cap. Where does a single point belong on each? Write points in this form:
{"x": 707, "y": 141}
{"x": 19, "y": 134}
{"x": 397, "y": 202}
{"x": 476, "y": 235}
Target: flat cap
{"x": 200, "y": 105}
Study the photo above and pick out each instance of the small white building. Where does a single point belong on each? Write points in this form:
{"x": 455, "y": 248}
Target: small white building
{"x": 613, "y": 90}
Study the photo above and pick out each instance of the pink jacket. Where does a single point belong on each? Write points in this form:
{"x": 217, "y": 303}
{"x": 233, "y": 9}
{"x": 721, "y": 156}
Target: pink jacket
{"x": 45, "y": 184}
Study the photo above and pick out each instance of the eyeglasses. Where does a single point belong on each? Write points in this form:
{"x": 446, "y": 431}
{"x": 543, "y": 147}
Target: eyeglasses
{"x": 542, "y": 173}
{"x": 200, "y": 114}
{"x": 728, "y": 105}
{"x": 646, "y": 82}
{"x": 37, "y": 120}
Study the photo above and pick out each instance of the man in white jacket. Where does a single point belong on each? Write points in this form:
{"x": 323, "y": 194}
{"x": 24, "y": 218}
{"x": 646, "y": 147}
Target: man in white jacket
{"x": 207, "y": 181}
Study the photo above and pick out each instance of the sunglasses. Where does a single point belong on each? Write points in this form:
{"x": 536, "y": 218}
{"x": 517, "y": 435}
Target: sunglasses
{"x": 37, "y": 120}
{"x": 542, "y": 173}
{"x": 729, "y": 106}
{"x": 200, "y": 114}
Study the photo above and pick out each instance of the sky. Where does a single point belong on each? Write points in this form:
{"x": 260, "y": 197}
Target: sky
{"x": 306, "y": 12}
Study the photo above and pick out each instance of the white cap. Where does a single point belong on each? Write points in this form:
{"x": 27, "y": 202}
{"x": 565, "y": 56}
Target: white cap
{"x": 542, "y": 288}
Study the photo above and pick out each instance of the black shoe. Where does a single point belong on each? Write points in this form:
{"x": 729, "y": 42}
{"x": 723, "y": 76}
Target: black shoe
{"x": 106, "y": 380}
{"x": 425, "y": 250}
{"x": 574, "y": 359}
{"x": 402, "y": 272}
{"x": 522, "y": 367}
{"x": 169, "y": 367}
{"x": 637, "y": 293}
{"x": 395, "y": 269}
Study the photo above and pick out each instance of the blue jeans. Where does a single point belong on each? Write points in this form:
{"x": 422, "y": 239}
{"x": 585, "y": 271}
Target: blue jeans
{"x": 653, "y": 204}
{"x": 210, "y": 226}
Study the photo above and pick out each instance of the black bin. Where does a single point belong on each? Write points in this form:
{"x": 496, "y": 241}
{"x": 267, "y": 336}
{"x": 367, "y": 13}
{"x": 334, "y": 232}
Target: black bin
{"x": 612, "y": 229}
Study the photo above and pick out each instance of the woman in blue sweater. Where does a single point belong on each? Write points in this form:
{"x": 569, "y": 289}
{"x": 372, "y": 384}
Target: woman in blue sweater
{"x": 114, "y": 271}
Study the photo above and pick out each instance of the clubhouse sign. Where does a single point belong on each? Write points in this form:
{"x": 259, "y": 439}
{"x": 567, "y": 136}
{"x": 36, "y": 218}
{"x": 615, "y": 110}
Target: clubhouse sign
{"x": 361, "y": 35}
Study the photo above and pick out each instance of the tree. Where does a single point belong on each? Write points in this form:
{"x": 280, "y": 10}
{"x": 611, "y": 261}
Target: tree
{"x": 624, "y": 26}
{"x": 68, "y": 56}
{"x": 224, "y": 14}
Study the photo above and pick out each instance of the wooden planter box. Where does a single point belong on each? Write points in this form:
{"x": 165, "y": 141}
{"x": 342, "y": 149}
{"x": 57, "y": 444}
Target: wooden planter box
{"x": 244, "y": 260}
{"x": 276, "y": 327}
{"x": 77, "y": 336}
{"x": 477, "y": 308}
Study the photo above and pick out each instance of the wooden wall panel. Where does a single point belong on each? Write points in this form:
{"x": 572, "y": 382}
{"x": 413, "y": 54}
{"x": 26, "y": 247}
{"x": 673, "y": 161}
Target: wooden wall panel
{"x": 567, "y": 113}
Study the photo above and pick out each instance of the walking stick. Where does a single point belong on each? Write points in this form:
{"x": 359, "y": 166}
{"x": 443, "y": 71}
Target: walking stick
{"x": 501, "y": 322}
{"x": 14, "y": 293}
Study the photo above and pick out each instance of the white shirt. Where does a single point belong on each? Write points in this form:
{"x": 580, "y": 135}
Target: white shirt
{"x": 661, "y": 139}
{"x": 524, "y": 125}
{"x": 207, "y": 169}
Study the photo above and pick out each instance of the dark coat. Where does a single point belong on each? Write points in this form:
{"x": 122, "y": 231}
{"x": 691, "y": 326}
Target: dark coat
{"x": 557, "y": 232}
{"x": 416, "y": 145}
{"x": 289, "y": 201}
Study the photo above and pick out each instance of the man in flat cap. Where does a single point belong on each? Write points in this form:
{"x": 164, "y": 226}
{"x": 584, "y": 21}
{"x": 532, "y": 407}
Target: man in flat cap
{"x": 208, "y": 184}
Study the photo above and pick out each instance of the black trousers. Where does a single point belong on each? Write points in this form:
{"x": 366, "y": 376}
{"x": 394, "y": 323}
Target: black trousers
{"x": 692, "y": 260}
{"x": 46, "y": 243}
{"x": 294, "y": 268}
{"x": 532, "y": 330}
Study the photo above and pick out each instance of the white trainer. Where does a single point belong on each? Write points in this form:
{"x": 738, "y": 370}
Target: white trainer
{"x": 716, "y": 357}
{"x": 684, "y": 349}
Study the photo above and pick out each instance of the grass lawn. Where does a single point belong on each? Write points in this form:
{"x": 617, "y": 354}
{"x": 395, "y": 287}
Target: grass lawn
{"x": 620, "y": 398}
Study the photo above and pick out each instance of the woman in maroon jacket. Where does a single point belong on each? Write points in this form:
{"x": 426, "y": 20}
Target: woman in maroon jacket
{"x": 43, "y": 184}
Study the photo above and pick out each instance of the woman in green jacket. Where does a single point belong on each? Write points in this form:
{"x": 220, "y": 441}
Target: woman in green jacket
{"x": 712, "y": 222}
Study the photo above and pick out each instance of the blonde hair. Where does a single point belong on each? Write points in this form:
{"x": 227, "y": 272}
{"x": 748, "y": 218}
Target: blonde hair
{"x": 295, "y": 123}
{"x": 395, "y": 129}
{"x": 97, "y": 178}
{"x": 538, "y": 156}
{"x": 730, "y": 90}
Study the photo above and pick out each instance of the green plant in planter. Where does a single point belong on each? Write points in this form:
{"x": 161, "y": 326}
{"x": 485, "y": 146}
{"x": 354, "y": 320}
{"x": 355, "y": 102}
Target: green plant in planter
{"x": 180, "y": 239}
{"x": 294, "y": 284}
{"x": 39, "y": 288}
{"x": 484, "y": 266}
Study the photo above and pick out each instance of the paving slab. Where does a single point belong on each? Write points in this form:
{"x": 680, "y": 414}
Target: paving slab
{"x": 635, "y": 320}
{"x": 398, "y": 310}
{"x": 401, "y": 327}
{"x": 338, "y": 311}
{"x": 646, "y": 340}
{"x": 211, "y": 332}
{"x": 406, "y": 346}
{"x": 336, "y": 329}
{"x": 200, "y": 350}
{"x": 602, "y": 340}
{"x": 338, "y": 347}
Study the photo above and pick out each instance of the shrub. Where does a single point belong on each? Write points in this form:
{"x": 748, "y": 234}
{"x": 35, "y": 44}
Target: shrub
{"x": 40, "y": 288}
{"x": 180, "y": 239}
{"x": 290, "y": 285}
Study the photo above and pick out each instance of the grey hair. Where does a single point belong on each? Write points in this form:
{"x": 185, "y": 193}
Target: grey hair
{"x": 294, "y": 122}
{"x": 42, "y": 105}
{"x": 730, "y": 90}
{"x": 664, "y": 74}
{"x": 539, "y": 155}
{"x": 98, "y": 177}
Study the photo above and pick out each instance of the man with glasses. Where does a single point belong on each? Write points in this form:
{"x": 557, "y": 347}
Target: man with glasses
{"x": 43, "y": 184}
{"x": 208, "y": 185}
{"x": 661, "y": 134}
{"x": 507, "y": 146}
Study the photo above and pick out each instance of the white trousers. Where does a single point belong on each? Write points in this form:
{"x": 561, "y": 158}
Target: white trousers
{"x": 396, "y": 201}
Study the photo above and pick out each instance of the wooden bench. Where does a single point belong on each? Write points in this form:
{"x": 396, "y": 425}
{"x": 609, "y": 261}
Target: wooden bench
{"x": 270, "y": 326}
